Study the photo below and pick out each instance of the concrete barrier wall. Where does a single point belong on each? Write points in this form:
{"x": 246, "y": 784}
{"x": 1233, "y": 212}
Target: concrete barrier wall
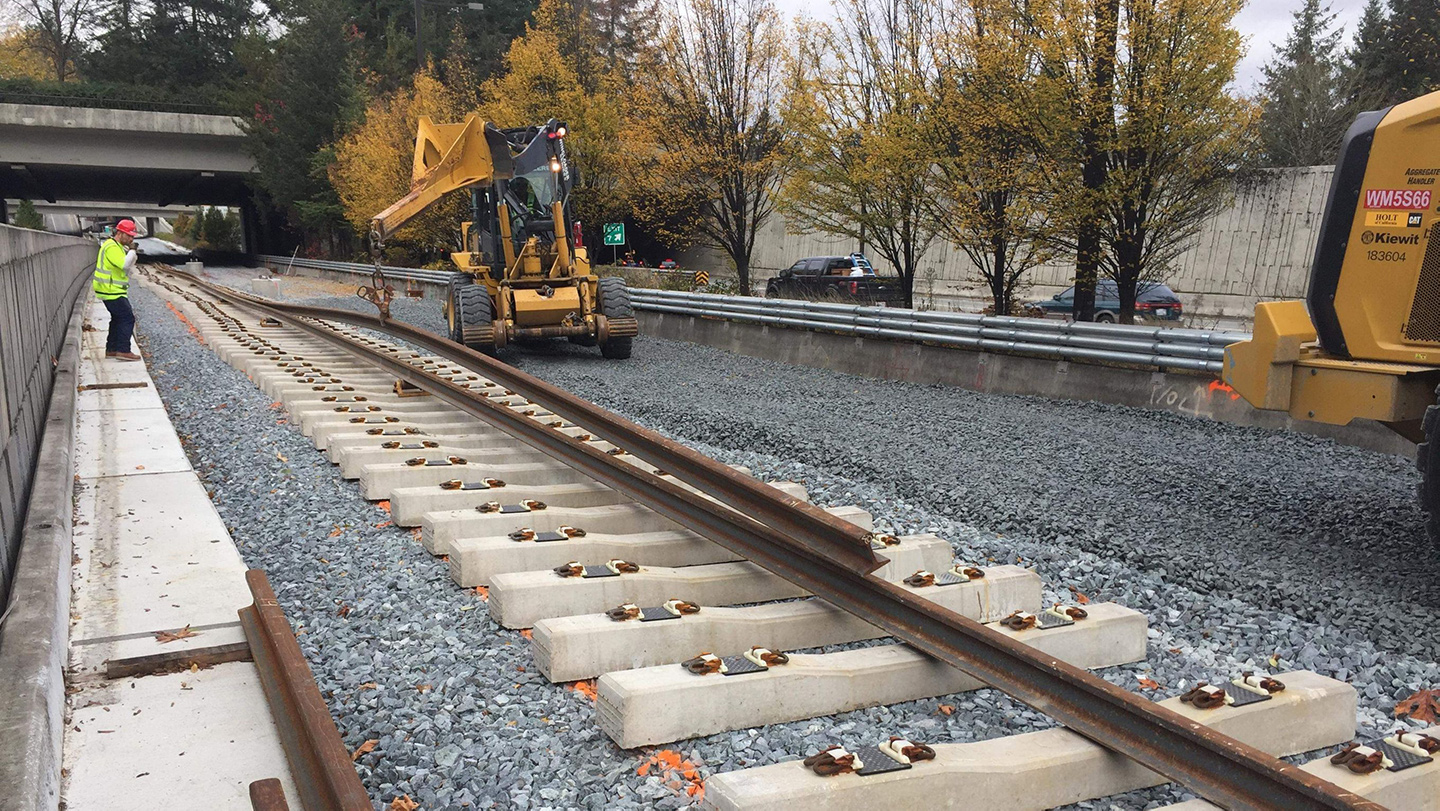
{"x": 40, "y": 277}
{"x": 1198, "y": 396}
{"x": 1258, "y": 248}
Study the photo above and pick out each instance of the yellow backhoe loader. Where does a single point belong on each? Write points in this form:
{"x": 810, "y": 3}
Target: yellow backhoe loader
{"x": 1368, "y": 344}
{"x": 524, "y": 273}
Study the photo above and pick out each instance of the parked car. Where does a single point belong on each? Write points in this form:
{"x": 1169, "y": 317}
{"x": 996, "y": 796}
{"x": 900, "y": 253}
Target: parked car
{"x": 1153, "y": 302}
{"x": 668, "y": 264}
{"x": 850, "y": 279}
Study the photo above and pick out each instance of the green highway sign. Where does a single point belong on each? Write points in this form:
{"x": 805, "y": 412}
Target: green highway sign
{"x": 614, "y": 233}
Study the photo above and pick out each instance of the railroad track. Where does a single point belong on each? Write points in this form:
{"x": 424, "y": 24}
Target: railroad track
{"x": 672, "y": 580}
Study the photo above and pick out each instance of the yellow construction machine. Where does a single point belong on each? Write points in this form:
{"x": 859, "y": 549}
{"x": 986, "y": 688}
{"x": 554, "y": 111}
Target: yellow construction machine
{"x": 1368, "y": 344}
{"x": 524, "y": 273}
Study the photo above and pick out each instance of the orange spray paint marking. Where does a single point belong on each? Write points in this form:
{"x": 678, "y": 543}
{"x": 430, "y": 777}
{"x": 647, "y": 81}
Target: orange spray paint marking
{"x": 1220, "y": 385}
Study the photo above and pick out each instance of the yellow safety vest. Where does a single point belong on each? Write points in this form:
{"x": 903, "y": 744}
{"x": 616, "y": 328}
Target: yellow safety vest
{"x": 111, "y": 281}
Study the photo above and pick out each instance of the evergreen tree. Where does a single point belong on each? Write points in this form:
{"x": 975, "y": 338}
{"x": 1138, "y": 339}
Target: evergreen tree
{"x": 27, "y": 217}
{"x": 1411, "y": 57}
{"x": 214, "y": 232}
{"x": 1304, "y": 114}
{"x": 175, "y": 45}
{"x": 1364, "y": 73}
{"x": 306, "y": 96}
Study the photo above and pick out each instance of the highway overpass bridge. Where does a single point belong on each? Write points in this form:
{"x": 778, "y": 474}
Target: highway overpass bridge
{"x": 164, "y": 163}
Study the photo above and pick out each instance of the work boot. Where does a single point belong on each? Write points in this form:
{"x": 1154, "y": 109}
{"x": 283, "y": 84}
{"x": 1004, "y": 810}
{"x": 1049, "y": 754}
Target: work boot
{"x": 126, "y": 356}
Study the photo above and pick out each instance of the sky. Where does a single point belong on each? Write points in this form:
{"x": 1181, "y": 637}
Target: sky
{"x": 1264, "y": 23}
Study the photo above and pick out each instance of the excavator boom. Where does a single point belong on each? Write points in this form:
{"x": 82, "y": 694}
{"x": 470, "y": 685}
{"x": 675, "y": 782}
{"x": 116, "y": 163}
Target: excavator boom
{"x": 448, "y": 157}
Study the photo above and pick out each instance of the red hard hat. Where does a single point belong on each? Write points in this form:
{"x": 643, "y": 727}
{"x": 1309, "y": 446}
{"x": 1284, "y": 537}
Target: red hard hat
{"x": 126, "y": 227}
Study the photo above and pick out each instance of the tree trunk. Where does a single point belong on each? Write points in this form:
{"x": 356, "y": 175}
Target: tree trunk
{"x": 1099, "y": 118}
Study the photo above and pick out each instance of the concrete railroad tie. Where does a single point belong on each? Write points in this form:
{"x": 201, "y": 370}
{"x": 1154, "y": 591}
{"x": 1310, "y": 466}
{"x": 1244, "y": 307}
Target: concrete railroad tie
{"x": 666, "y": 703}
{"x": 519, "y": 599}
{"x": 1039, "y": 770}
{"x": 585, "y": 646}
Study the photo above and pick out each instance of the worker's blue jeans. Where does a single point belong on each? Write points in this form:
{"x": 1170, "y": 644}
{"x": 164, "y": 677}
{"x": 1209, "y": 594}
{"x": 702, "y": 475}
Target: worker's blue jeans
{"x": 122, "y": 325}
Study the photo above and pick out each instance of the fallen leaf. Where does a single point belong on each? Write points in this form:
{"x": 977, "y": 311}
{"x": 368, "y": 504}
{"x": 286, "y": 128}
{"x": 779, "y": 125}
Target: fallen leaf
{"x": 1422, "y": 706}
{"x": 527, "y": 633}
{"x": 139, "y": 467}
{"x": 1274, "y": 660}
{"x": 281, "y": 457}
{"x": 415, "y": 533}
{"x": 1174, "y": 650}
{"x": 424, "y": 688}
{"x": 384, "y": 524}
{"x": 276, "y": 404}
{"x": 344, "y": 610}
{"x": 335, "y": 531}
{"x": 369, "y": 685}
{"x": 1079, "y": 596}
{"x": 167, "y": 636}
{"x": 403, "y": 804}
{"x": 585, "y": 688}
{"x": 365, "y": 749}
{"x": 384, "y": 505}
{"x": 947, "y": 709}
{"x": 484, "y": 592}
{"x": 1149, "y": 683}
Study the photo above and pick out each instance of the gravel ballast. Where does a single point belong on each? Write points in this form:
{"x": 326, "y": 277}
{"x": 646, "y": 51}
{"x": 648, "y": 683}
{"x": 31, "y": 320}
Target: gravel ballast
{"x": 1239, "y": 544}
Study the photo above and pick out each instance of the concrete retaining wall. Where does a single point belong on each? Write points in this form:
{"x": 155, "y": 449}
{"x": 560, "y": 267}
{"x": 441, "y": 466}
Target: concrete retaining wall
{"x": 1258, "y": 248}
{"x": 40, "y": 276}
{"x": 1197, "y": 396}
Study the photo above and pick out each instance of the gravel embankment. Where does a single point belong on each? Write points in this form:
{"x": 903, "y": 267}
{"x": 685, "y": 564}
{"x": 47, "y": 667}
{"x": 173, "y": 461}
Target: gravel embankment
{"x": 1237, "y": 543}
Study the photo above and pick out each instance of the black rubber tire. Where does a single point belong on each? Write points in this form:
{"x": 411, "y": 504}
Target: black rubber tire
{"x": 456, "y": 282}
{"x": 1104, "y": 318}
{"x": 472, "y": 303}
{"x": 615, "y": 303}
{"x": 1429, "y": 464}
{"x": 582, "y": 340}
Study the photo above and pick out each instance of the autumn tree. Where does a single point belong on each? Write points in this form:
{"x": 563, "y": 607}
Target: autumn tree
{"x": 60, "y": 28}
{"x": 373, "y": 161}
{"x": 992, "y": 185}
{"x": 21, "y": 56}
{"x": 1304, "y": 110}
{"x": 557, "y": 71}
{"x": 1180, "y": 136}
{"x": 705, "y": 139}
{"x": 860, "y": 107}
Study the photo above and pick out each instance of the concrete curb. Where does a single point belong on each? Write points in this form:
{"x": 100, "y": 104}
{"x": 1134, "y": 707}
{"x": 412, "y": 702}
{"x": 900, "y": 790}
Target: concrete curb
{"x": 35, "y": 637}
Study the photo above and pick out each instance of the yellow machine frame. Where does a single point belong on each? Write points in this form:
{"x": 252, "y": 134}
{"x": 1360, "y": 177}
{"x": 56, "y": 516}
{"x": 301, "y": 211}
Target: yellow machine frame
{"x": 1366, "y": 344}
{"x": 544, "y": 290}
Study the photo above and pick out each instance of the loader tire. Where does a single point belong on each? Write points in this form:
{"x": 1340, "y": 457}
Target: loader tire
{"x": 615, "y": 303}
{"x": 1427, "y": 458}
{"x": 452, "y": 314}
{"x": 474, "y": 313}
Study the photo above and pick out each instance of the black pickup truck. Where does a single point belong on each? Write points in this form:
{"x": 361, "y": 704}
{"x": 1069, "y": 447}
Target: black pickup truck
{"x": 848, "y": 279}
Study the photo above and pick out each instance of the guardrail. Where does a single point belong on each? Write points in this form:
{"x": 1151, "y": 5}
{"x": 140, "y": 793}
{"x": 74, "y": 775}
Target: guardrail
{"x": 441, "y": 277}
{"x": 1181, "y": 349}
{"x": 1163, "y": 348}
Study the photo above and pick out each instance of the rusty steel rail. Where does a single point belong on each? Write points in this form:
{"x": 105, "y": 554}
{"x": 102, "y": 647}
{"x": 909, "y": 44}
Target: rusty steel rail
{"x": 324, "y": 774}
{"x": 1221, "y": 769}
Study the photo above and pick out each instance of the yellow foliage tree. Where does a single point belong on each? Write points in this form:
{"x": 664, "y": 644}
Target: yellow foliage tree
{"x": 992, "y": 200}
{"x": 542, "y": 80}
{"x": 861, "y": 112}
{"x": 21, "y": 56}
{"x": 703, "y": 148}
{"x": 373, "y": 161}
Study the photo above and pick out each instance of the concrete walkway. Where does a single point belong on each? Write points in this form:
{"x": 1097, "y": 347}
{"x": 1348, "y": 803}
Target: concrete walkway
{"x": 151, "y": 723}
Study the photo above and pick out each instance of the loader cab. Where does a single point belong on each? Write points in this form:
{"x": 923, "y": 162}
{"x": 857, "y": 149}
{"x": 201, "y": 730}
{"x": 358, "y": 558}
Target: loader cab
{"x": 542, "y": 177}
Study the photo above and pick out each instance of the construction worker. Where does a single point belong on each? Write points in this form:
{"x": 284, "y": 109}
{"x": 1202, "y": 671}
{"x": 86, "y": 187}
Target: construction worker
{"x": 112, "y": 287}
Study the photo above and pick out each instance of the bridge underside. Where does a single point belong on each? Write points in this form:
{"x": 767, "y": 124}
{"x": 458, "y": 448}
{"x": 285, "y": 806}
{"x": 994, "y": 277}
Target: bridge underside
{"x": 155, "y": 187}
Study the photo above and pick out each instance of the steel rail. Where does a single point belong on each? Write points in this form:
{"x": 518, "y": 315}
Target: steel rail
{"x": 1217, "y": 767}
{"x": 324, "y": 774}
